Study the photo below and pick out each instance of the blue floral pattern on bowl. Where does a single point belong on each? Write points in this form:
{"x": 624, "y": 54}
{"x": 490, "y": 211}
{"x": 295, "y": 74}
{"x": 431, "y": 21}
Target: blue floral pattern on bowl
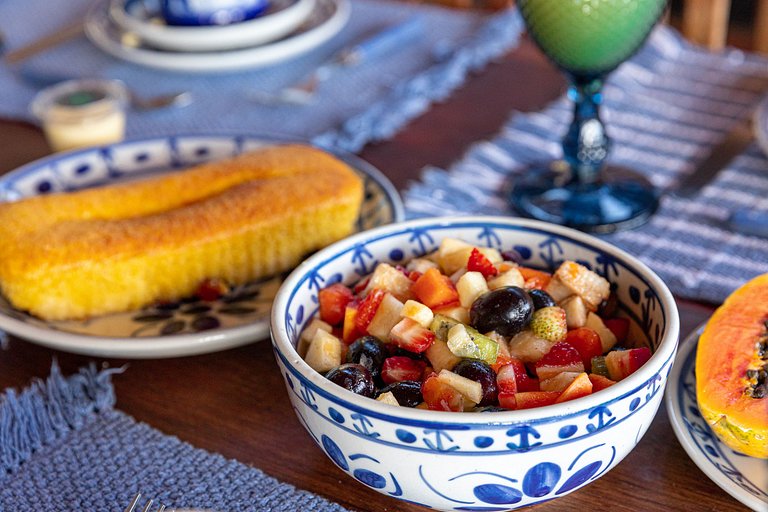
{"x": 482, "y": 461}
{"x": 741, "y": 476}
{"x": 244, "y": 307}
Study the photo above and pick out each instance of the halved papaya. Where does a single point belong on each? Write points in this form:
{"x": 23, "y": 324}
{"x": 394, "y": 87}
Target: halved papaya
{"x": 731, "y": 366}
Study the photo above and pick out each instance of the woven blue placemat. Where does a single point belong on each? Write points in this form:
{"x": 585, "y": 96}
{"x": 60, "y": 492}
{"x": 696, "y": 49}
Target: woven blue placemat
{"x": 369, "y": 102}
{"x": 64, "y": 447}
{"x": 665, "y": 109}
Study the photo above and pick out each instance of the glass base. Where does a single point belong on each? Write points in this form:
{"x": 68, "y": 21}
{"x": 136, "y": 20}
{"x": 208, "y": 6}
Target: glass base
{"x": 622, "y": 200}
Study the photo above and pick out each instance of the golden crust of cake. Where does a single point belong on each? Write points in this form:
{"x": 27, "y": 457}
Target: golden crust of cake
{"x": 127, "y": 245}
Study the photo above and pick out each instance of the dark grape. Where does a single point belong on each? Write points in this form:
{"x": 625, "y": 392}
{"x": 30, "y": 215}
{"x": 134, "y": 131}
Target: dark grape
{"x": 541, "y": 299}
{"x": 369, "y": 352}
{"x": 481, "y": 372}
{"x": 491, "y": 408}
{"x": 407, "y": 392}
{"x": 512, "y": 255}
{"x": 354, "y": 377}
{"x": 506, "y": 310}
{"x": 608, "y": 307}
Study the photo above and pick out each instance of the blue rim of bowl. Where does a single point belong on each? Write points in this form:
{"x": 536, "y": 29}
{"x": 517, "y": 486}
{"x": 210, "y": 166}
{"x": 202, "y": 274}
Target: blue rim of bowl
{"x": 663, "y": 356}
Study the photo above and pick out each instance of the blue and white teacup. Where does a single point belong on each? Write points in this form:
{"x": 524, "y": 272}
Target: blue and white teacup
{"x": 211, "y": 12}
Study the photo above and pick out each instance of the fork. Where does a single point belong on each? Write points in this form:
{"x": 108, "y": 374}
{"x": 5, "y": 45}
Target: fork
{"x": 147, "y": 506}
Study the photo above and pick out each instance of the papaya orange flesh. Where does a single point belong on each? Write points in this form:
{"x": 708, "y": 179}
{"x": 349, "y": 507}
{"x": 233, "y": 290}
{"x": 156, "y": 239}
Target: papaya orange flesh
{"x": 730, "y": 356}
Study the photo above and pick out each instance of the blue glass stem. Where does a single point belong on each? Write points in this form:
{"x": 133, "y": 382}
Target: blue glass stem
{"x": 585, "y": 145}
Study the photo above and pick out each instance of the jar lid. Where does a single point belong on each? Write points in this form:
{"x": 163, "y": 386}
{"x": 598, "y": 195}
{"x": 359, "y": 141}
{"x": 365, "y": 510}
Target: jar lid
{"x": 80, "y": 99}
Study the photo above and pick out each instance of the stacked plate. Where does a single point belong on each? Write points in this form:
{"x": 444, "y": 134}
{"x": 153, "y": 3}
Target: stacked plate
{"x": 134, "y": 30}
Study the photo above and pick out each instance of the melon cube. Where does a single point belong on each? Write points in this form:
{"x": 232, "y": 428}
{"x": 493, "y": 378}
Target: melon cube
{"x": 440, "y": 356}
{"x": 324, "y": 352}
{"x": 417, "y": 311}
{"x": 309, "y": 332}
{"x": 456, "y": 312}
{"x": 528, "y": 347}
{"x": 453, "y": 254}
{"x": 575, "y": 312}
{"x": 470, "y": 286}
{"x": 420, "y": 265}
{"x": 607, "y": 338}
{"x": 559, "y": 382}
{"x": 388, "y": 398}
{"x": 388, "y": 278}
{"x": 572, "y": 278}
{"x": 385, "y": 318}
{"x": 470, "y": 389}
{"x": 511, "y": 277}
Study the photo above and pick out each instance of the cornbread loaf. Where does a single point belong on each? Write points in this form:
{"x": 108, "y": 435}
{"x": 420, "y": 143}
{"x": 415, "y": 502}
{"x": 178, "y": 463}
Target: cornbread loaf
{"x": 124, "y": 246}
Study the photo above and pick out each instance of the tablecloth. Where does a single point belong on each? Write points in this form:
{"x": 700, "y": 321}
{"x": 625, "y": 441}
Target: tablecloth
{"x": 365, "y": 103}
{"x": 664, "y": 109}
{"x": 64, "y": 447}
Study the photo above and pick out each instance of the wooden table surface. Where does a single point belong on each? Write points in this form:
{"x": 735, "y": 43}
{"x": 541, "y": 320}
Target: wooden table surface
{"x": 234, "y": 402}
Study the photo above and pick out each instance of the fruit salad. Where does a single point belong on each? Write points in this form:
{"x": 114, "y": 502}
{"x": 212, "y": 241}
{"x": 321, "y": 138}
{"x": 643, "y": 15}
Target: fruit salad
{"x": 469, "y": 328}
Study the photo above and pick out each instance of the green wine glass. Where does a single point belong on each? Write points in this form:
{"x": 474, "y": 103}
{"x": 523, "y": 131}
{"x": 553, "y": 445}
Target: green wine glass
{"x": 587, "y": 39}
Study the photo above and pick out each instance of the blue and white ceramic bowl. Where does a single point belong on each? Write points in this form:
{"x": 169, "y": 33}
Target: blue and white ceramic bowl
{"x": 211, "y": 12}
{"x": 477, "y": 461}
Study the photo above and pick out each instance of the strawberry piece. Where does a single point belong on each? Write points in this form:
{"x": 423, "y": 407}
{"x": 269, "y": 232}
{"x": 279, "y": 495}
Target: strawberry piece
{"x": 535, "y": 278}
{"x": 210, "y": 290}
{"x": 478, "y": 262}
{"x": 531, "y": 399}
{"x": 410, "y": 335}
{"x": 579, "y": 387}
{"x": 587, "y": 342}
{"x": 562, "y": 357}
{"x": 599, "y": 382}
{"x": 440, "y": 396}
{"x": 434, "y": 289}
{"x": 367, "y": 309}
{"x": 399, "y": 368}
{"x": 549, "y": 323}
{"x": 507, "y": 400}
{"x": 623, "y": 363}
{"x": 506, "y": 379}
{"x": 333, "y": 301}
{"x": 513, "y": 377}
{"x": 619, "y": 327}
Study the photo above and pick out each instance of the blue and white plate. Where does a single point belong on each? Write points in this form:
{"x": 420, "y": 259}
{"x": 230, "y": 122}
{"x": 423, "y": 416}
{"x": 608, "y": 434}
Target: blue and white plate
{"x": 760, "y": 124}
{"x": 741, "y": 476}
{"x": 189, "y": 326}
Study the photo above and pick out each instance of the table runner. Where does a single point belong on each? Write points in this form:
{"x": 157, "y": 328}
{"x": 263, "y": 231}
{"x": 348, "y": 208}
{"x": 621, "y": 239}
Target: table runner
{"x": 665, "y": 109}
{"x": 63, "y": 446}
{"x": 366, "y": 103}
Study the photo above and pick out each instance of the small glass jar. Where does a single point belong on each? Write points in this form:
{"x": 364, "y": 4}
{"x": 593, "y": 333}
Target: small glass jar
{"x": 80, "y": 113}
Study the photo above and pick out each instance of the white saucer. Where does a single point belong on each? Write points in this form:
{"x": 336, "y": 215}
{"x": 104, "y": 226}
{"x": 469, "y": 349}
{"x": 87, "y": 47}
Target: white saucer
{"x": 326, "y": 20}
{"x": 741, "y": 476}
{"x": 143, "y": 18}
{"x": 189, "y": 326}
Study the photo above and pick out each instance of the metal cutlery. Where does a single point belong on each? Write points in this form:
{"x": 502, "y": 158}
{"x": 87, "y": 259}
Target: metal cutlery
{"x": 132, "y": 507}
{"x": 55, "y": 38}
{"x": 379, "y": 44}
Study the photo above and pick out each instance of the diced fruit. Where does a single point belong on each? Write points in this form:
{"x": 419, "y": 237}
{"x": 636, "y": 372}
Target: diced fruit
{"x": 387, "y": 315}
{"x": 470, "y": 389}
{"x": 572, "y": 278}
{"x": 535, "y": 278}
{"x": 509, "y": 277}
{"x": 467, "y": 342}
{"x": 607, "y": 338}
{"x": 455, "y": 311}
{"x": 619, "y": 327}
{"x": 478, "y": 262}
{"x": 549, "y": 323}
{"x": 579, "y": 387}
{"x": 559, "y": 382}
{"x": 420, "y": 265}
{"x": 417, "y": 311}
{"x": 333, "y": 302}
{"x": 507, "y": 400}
{"x": 369, "y": 352}
{"x": 407, "y": 392}
{"x": 528, "y": 347}
{"x": 541, "y": 299}
{"x": 350, "y": 332}
{"x": 440, "y": 356}
{"x": 399, "y": 368}
{"x": 598, "y": 366}
{"x": 434, "y": 289}
{"x": 440, "y": 396}
{"x": 513, "y": 377}
{"x": 367, "y": 309}
{"x": 622, "y": 363}
{"x": 587, "y": 342}
{"x": 453, "y": 254}
{"x": 408, "y": 334}
{"x": 504, "y": 310}
{"x": 387, "y": 398}
{"x": 561, "y": 358}
{"x": 470, "y": 286}
{"x": 480, "y": 372}
{"x": 388, "y": 278}
{"x": 309, "y": 332}
{"x": 575, "y": 312}
{"x": 531, "y": 399}
{"x": 600, "y": 382}
{"x": 324, "y": 352}
{"x": 353, "y": 377}
{"x": 441, "y": 324}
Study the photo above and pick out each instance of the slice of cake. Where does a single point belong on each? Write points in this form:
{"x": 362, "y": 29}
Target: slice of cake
{"x": 124, "y": 246}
